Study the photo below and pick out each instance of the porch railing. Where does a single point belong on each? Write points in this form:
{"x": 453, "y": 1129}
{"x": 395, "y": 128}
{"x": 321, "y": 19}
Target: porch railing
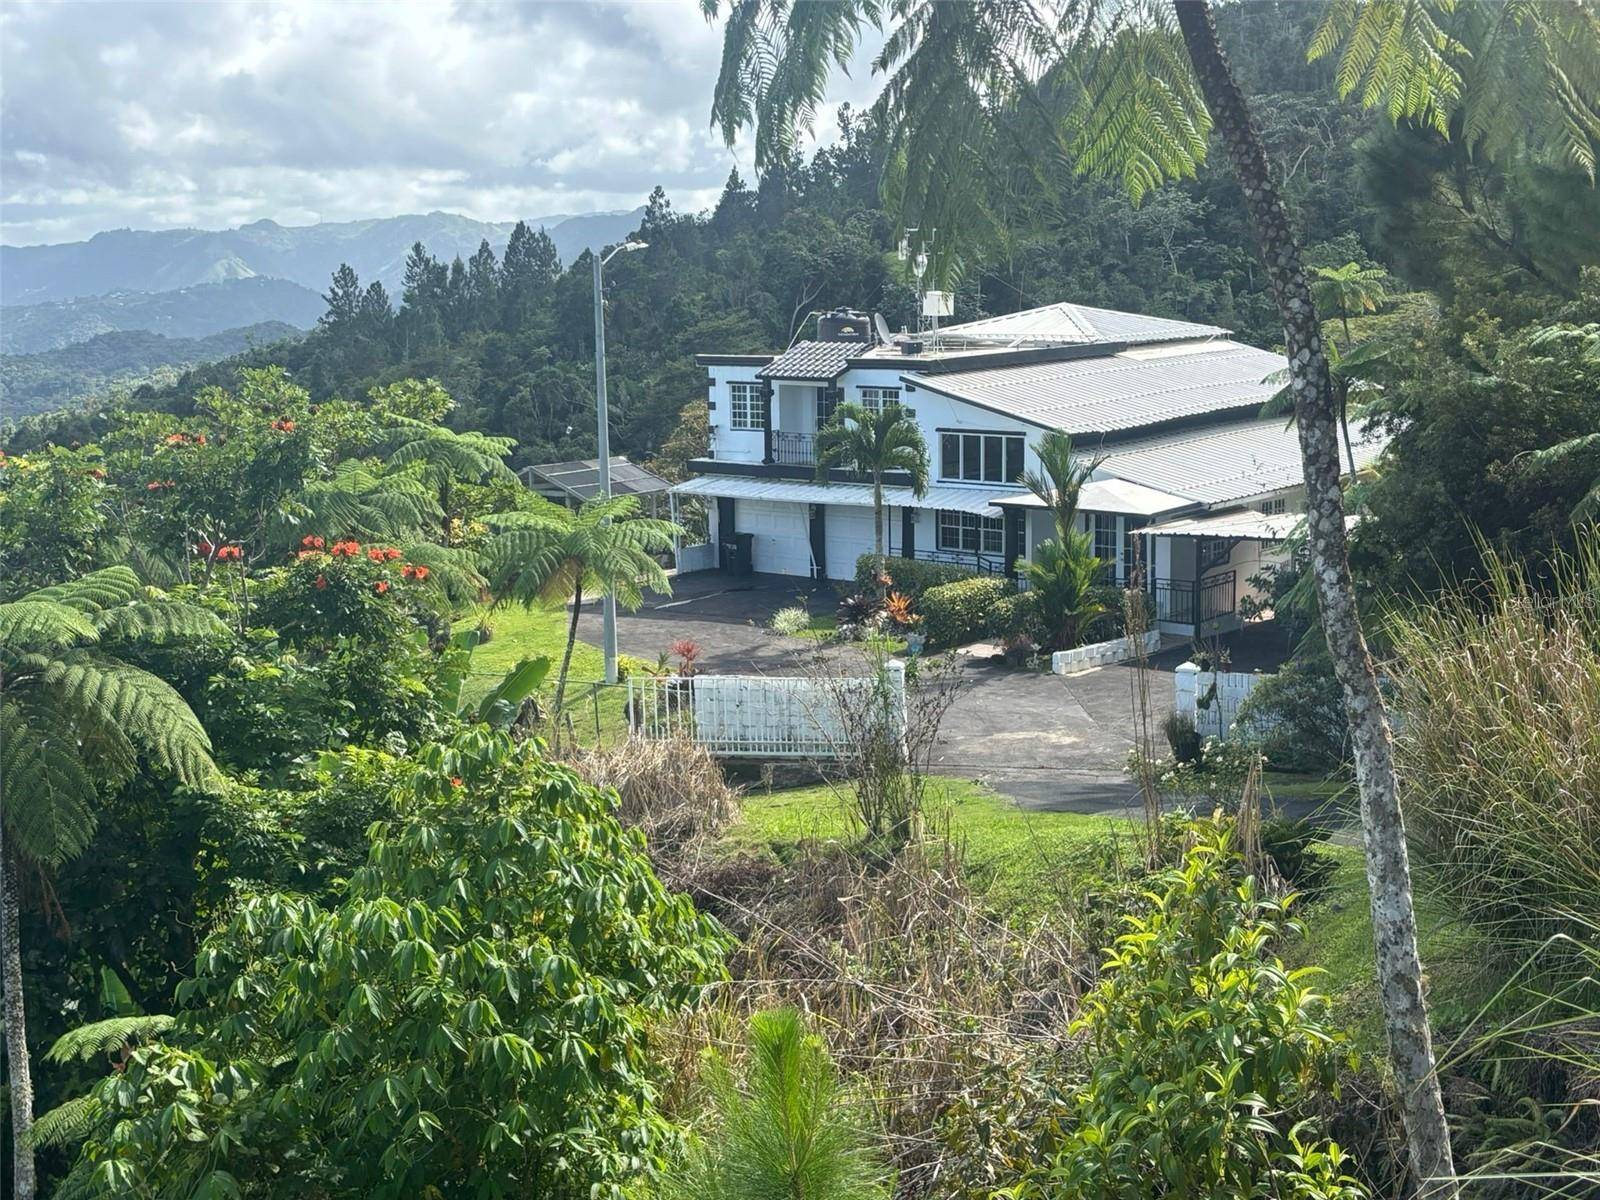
{"x": 1183, "y": 602}
{"x": 973, "y": 560}
{"x": 794, "y": 449}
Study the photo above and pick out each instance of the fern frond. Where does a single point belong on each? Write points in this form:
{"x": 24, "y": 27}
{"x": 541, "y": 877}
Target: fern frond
{"x": 102, "y": 589}
{"x": 155, "y": 718}
{"x": 453, "y": 572}
{"x": 30, "y": 623}
{"x": 99, "y": 1038}
{"x": 49, "y": 792}
{"x": 158, "y": 623}
{"x": 66, "y": 1124}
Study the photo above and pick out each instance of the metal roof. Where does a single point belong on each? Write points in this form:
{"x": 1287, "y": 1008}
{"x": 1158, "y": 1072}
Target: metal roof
{"x": 1114, "y": 392}
{"x": 743, "y": 487}
{"x": 1074, "y": 324}
{"x": 581, "y": 479}
{"x": 814, "y": 362}
{"x": 1111, "y": 496}
{"x": 1239, "y": 523}
{"x": 1223, "y": 463}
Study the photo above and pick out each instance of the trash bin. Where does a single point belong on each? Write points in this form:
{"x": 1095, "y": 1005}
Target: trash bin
{"x": 738, "y": 553}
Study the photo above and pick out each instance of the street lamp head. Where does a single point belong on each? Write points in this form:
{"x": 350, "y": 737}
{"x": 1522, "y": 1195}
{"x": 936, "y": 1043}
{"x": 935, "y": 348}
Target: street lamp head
{"x": 635, "y": 245}
{"x": 623, "y": 249}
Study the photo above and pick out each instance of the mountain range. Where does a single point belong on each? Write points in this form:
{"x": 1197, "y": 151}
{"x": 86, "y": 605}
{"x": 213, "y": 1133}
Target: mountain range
{"x": 78, "y": 318}
{"x": 169, "y": 259}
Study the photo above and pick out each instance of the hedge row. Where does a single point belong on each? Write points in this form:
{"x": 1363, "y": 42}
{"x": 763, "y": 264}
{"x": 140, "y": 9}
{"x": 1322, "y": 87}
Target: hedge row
{"x": 909, "y": 576}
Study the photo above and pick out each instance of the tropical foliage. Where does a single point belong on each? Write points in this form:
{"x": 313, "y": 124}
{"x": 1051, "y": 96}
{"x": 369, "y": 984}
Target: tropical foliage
{"x": 871, "y": 443}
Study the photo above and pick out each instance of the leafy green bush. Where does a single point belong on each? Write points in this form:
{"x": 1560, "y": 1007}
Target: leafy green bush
{"x": 956, "y": 613}
{"x": 1204, "y": 1054}
{"x": 1297, "y": 716}
{"x": 1017, "y": 616}
{"x": 463, "y": 1020}
{"x": 791, "y": 621}
{"x": 1178, "y": 728}
{"x": 784, "y": 1131}
{"x": 1291, "y": 847}
{"x": 910, "y": 576}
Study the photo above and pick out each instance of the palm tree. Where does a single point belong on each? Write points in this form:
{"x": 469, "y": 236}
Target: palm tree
{"x": 75, "y": 720}
{"x": 1340, "y": 291}
{"x": 1060, "y": 479}
{"x": 785, "y": 1130}
{"x": 444, "y": 457}
{"x": 548, "y": 554}
{"x": 1133, "y": 90}
{"x": 873, "y": 442}
{"x": 1063, "y": 574}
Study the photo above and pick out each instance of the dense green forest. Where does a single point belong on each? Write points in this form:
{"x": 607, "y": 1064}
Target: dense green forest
{"x": 329, "y": 870}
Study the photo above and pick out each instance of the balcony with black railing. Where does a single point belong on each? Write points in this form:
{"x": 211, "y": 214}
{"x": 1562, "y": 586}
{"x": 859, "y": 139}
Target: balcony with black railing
{"x": 794, "y": 449}
{"x": 1185, "y": 602}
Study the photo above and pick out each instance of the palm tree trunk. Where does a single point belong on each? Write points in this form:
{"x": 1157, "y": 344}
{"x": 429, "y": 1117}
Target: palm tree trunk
{"x": 1394, "y": 923}
{"x": 20, "y": 1076}
{"x": 572, "y": 640}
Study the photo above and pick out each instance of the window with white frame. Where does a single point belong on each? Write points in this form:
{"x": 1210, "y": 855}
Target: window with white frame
{"x": 744, "y": 405}
{"x": 980, "y": 457}
{"x": 875, "y": 399}
{"x": 1105, "y": 540}
{"x": 970, "y": 533}
{"x": 827, "y": 404}
{"x": 1273, "y": 506}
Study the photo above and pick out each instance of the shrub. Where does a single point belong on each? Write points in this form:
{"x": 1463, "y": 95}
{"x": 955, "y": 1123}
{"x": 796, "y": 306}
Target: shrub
{"x": 1017, "y": 616}
{"x": 909, "y": 575}
{"x": 1297, "y": 716}
{"x": 1019, "y": 650}
{"x": 791, "y": 621}
{"x": 956, "y": 613}
{"x": 1289, "y": 844}
{"x": 1205, "y": 1053}
{"x": 1178, "y": 728}
{"x": 416, "y": 1036}
{"x": 687, "y": 651}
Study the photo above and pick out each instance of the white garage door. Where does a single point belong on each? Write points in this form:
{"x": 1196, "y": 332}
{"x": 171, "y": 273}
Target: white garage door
{"x": 849, "y": 536}
{"x": 782, "y": 543}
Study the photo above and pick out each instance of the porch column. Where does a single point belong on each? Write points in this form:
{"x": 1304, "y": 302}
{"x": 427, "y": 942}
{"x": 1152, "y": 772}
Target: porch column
{"x": 1012, "y": 533}
{"x": 908, "y": 532}
{"x": 819, "y": 540}
{"x": 767, "y": 392}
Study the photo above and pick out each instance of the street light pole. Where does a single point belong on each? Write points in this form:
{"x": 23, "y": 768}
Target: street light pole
{"x": 608, "y": 602}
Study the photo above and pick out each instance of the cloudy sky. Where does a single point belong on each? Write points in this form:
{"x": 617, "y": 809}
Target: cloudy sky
{"x": 201, "y": 114}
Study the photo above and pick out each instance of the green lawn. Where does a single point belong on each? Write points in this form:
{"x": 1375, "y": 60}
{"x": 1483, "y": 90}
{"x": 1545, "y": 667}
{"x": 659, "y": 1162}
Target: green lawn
{"x": 520, "y": 633}
{"x": 1016, "y": 858}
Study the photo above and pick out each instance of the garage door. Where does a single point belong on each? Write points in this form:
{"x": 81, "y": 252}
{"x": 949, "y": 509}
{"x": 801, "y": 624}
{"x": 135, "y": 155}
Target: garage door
{"x": 849, "y": 536}
{"x": 782, "y": 544}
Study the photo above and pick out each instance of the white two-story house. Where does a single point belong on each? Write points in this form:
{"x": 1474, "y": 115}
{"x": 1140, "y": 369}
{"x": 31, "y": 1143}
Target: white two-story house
{"x": 1192, "y": 483}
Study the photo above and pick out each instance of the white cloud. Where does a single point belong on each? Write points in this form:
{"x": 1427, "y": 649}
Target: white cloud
{"x": 161, "y": 114}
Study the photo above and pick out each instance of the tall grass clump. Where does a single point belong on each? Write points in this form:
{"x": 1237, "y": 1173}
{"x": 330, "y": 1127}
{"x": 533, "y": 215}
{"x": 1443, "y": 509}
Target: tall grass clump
{"x": 1499, "y": 747}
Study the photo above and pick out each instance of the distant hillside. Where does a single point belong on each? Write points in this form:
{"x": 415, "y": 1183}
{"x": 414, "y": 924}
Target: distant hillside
{"x": 192, "y": 312}
{"x": 166, "y": 260}
{"x": 55, "y": 379}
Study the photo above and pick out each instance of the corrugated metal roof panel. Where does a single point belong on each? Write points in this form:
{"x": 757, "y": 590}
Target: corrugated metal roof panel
{"x": 1073, "y": 325}
{"x": 1113, "y": 496}
{"x": 581, "y": 478}
{"x": 821, "y": 362}
{"x": 1222, "y": 463}
{"x": 1117, "y": 392}
{"x": 743, "y": 487}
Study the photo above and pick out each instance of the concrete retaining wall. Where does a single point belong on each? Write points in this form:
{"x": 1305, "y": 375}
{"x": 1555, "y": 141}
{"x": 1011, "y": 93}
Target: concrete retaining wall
{"x": 1101, "y": 654}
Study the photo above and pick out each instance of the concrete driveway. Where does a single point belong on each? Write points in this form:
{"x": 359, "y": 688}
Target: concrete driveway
{"x": 1048, "y": 741}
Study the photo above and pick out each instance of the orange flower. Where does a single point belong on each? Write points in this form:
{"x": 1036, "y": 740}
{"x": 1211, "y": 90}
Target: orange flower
{"x": 203, "y": 548}
{"x": 200, "y": 439}
{"x": 176, "y": 439}
{"x": 322, "y": 582}
{"x": 312, "y": 542}
{"x": 381, "y": 586}
{"x": 390, "y": 554}
{"x": 375, "y": 554}
{"x": 345, "y": 549}
{"x": 455, "y": 781}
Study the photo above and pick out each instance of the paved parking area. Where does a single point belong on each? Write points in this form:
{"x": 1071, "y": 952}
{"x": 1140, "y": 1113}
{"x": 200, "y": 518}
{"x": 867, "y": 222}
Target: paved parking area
{"x": 1048, "y": 741}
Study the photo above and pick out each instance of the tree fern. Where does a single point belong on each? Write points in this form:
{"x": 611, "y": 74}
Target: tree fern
{"x": 100, "y": 1038}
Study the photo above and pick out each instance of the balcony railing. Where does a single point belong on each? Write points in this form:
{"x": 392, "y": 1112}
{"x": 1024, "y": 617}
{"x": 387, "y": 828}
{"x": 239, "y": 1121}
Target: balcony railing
{"x": 794, "y": 449}
{"x": 1182, "y": 602}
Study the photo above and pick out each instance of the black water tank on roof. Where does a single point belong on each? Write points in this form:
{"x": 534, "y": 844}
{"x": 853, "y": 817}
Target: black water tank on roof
{"x": 843, "y": 325}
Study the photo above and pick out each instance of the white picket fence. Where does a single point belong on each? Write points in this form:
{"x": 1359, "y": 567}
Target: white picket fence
{"x": 767, "y": 716}
{"x": 1213, "y": 712}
